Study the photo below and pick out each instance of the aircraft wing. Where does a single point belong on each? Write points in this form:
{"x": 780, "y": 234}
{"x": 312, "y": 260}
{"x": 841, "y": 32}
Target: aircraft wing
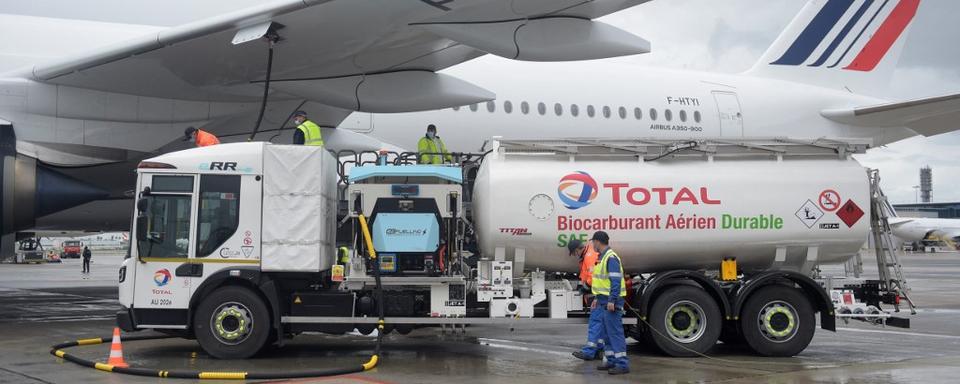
{"x": 368, "y": 55}
{"x": 928, "y": 116}
{"x": 898, "y": 221}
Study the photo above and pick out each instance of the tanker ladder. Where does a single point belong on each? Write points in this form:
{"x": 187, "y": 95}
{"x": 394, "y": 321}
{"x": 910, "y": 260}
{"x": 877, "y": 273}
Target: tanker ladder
{"x": 892, "y": 284}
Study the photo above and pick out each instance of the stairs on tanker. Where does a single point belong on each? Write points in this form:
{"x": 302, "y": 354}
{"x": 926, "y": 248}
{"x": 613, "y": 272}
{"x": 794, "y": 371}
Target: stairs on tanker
{"x": 888, "y": 261}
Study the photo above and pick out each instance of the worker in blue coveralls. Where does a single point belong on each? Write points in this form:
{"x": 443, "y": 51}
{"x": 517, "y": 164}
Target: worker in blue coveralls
{"x": 589, "y": 257}
{"x": 610, "y": 289}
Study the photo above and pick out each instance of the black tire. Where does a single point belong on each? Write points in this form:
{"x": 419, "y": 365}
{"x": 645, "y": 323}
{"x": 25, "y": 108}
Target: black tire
{"x": 244, "y": 323}
{"x": 777, "y": 320}
{"x": 695, "y": 321}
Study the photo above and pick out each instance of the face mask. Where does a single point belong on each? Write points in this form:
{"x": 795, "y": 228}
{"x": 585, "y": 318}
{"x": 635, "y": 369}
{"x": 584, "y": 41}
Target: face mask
{"x": 431, "y": 135}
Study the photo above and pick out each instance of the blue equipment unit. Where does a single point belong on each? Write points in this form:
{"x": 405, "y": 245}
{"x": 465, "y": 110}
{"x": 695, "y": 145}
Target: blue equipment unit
{"x": 406, "y": 232}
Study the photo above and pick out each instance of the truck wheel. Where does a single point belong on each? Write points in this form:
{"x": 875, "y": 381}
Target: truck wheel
{"x": 685, "y": 321}
{"x": 777, "y": 321}
{"x": 232, "y": 323}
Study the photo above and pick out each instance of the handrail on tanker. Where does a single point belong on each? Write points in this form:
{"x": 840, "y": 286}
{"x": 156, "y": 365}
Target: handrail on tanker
{"x": 657, "y": 148}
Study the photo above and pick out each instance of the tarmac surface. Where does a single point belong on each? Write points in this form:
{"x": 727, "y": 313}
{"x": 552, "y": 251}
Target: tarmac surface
{"x": 41, "y": 305}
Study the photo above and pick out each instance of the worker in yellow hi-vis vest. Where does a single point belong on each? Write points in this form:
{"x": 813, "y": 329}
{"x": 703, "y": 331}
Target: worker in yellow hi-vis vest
{"x": 610, "y": 288}
{"x": 308, "y": 132}
{"x": 431, "y": 148}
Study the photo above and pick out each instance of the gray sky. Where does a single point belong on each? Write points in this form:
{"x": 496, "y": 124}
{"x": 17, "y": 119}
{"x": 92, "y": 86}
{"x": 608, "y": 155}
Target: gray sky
{"x": 710, "y": 35}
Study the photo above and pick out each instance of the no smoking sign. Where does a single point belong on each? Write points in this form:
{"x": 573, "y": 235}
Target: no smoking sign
{"x": 829, "y": 200}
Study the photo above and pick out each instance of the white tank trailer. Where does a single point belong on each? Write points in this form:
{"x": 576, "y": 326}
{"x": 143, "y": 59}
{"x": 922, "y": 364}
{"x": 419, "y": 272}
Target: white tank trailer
{"x": 673, "y": 213}
{"x": 719, "y": 239}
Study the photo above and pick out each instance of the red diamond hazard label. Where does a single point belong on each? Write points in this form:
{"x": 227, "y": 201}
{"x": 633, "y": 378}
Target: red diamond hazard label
{"x": 850, "y": 213}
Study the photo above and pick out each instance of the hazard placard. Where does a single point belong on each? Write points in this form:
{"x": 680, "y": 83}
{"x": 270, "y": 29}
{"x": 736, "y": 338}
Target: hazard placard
{"x": 850, "y": 213}
{"x": 809, "y": 214}
{"x": 829, "y": 200}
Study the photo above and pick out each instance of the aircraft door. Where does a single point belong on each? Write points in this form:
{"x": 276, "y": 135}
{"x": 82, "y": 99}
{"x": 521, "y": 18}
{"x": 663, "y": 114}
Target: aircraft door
{"x": 164, "y": 250}
{"x": 359, "y": 122}
{"x": 731, "y": 118}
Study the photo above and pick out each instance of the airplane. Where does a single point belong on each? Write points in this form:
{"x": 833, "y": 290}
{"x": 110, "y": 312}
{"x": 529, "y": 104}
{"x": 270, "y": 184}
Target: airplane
{"x": 919, "y": 229}
{"x": 82, "y": 102}
{"x": 83, "y": 121}
{"x": 814, "y": 81}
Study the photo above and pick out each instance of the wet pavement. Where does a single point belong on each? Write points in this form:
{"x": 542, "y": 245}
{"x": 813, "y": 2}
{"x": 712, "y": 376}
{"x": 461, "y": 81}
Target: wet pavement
{"x": 42, "y": 305}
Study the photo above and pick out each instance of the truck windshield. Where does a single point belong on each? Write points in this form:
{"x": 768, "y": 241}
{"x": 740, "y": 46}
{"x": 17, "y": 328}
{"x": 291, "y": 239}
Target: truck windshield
{"x": 219, "y": 212}
{"x": 168, "y": 227}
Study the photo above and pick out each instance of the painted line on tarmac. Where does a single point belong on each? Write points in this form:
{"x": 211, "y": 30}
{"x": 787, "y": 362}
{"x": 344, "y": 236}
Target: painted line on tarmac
{"x": 507, "y": 344}
{"x": 934, "y": 335}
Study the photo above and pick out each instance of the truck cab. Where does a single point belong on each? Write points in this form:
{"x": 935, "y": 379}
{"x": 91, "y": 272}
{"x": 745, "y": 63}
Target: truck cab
{"x": 71, "y": 249}
{"x": 189, "y": 226}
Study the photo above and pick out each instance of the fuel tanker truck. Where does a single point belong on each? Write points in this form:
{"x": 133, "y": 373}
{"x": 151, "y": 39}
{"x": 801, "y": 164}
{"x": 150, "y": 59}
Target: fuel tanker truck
{"x": 243, "y": 245}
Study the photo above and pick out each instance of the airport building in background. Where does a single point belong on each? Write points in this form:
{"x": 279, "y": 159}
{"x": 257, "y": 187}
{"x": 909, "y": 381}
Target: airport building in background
{"x": 932, "y": 210}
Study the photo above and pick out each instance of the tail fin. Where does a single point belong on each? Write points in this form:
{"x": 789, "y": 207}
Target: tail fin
{"x": 853, "y": 44}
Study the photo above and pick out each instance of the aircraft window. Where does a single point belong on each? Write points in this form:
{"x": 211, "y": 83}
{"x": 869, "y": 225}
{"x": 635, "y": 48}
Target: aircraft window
{"x": 524, "y": 107}
{"x": 508, "y": 106}
{"x": 668, "y": 114}
{"x": 653, "y": 114}
{"x": 473, "y": 107}
{"x": 574, "y": 110}
{"x": 491, "y": 106}
{"x": 606, "y": 111}
{"x": 637, "y": 113}
{"x": 683, "y": 115}
{"x": 219, "y": 212}
{"x": 622, "y": 112}
{"x": 558, "y": 109}
{"x": 591, "y": 111}
{"x": 542, "y": 108}
{"x": 696, "y": 116}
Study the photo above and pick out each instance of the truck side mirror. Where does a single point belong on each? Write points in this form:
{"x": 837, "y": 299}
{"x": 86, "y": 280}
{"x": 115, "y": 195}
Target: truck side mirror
{"x": 142, "y": 205}
{"x": 141, "y": 226}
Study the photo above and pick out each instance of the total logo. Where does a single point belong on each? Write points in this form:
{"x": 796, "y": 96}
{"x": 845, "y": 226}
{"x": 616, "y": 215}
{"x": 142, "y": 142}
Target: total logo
{"x": 577, "y": 190}
{"x": 162, "y": 277}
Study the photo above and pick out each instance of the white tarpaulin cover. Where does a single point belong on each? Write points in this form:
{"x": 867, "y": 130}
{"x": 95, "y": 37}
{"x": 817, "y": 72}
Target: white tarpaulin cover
{"x": 299, "y": 208}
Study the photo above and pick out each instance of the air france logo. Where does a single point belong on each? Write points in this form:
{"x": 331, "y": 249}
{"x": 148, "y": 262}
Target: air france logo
{"x": 161, "y": 277}
{"x": 849, "y": 36}
{"x": 577, "y": 190}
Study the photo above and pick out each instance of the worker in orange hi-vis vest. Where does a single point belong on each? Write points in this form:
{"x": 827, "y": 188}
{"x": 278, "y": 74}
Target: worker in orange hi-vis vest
{"x": 593, "y": 350}
{"x": 200, "y": 137}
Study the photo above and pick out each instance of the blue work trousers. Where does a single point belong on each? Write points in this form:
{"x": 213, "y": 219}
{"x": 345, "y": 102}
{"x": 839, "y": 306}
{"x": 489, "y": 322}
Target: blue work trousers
{"x": 594, "y": 329}
{"x": 612, "y": 332}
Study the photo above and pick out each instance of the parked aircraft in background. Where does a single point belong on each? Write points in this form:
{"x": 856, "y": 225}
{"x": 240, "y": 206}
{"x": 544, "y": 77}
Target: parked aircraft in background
{"x": 916, "y": 230}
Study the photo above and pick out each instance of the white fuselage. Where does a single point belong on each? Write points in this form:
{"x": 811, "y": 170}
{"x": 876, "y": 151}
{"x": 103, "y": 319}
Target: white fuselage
{"x": 917, "y": 229}
{"x": 627, "y": 101}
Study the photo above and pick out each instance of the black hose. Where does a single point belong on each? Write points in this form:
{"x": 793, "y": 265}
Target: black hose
{"x": 266, "y": 91}
{"x": 57, "y": 350}
{"x": 290, "y": 116}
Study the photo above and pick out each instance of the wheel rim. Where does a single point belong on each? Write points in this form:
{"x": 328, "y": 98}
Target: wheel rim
{"x": 231, "y": 323}
{"x": 778, "y": 321}
{"x": 685, "y": 321}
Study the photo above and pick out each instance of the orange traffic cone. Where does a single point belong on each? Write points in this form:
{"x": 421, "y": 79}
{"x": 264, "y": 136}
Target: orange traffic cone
{"x": 116, "y": 352}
